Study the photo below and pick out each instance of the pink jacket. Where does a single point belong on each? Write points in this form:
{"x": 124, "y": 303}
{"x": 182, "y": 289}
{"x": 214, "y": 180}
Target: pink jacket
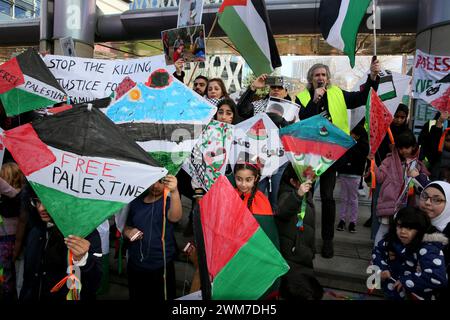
{"x": 391, "y": 177}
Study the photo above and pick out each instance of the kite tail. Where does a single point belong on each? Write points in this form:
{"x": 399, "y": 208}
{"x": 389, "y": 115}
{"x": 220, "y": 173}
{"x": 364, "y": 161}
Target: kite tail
{"x": 373, "y": 178}
{"x": 441, "y": 141}
{"x": 74, "y": 284}
{"x": 391, "y": 136}
{"x": 301, "y": 214}
{"x": 163, "y": 241}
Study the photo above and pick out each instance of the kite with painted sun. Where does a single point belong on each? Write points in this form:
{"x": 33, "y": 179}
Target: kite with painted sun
{"x": 164, "y": 117}
{"x": 312, "y": 146}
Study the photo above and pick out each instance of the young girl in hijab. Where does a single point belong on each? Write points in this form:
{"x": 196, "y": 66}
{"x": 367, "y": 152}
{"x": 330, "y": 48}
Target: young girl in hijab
{"x": 434, "y": 201}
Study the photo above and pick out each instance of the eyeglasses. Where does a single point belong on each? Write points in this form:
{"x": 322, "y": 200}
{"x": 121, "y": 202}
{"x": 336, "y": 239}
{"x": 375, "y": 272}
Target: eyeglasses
{"x": 35, "y": 202}
{"x": 434, "y": 200}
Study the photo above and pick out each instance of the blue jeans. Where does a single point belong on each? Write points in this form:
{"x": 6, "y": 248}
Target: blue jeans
{"x": 272, "y": 185}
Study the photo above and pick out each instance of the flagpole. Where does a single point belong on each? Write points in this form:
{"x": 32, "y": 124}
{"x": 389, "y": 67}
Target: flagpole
{"x": 374, "y": 28}
{"x": 206, "y": 43}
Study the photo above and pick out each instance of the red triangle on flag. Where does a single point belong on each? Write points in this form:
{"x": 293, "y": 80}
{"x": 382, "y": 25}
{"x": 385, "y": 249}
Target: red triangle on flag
{"x": 11, "y": 75}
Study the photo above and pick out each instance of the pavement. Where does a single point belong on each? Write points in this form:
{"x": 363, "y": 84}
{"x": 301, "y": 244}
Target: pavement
{"x": 343, "y": 277}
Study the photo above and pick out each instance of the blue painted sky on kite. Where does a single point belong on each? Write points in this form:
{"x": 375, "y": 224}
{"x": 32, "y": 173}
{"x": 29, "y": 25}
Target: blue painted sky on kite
{"x": 175, "y": 103}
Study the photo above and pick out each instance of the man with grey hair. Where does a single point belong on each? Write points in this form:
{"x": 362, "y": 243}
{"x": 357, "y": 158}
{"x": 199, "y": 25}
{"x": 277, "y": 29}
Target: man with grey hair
{"x": 321, "y": 97}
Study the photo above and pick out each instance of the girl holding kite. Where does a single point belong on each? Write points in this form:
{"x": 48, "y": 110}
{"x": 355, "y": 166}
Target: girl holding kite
{"x": 395, "y": 174}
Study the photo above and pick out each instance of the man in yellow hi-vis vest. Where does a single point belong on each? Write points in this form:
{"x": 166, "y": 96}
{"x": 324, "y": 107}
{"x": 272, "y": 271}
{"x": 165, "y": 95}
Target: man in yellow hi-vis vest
{"x": 321, "y": 97}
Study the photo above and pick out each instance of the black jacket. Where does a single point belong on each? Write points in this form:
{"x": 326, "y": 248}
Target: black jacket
{"x": 45, "y": 264}
{"x": 354, "y": 160}
{"x": 295, "y": 245}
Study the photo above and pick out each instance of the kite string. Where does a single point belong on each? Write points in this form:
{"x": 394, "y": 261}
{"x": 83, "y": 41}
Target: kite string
{"x": 163, "y": 241}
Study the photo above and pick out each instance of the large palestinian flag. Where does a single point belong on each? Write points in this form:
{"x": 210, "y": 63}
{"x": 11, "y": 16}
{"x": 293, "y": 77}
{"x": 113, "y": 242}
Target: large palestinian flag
{"x": 27, "y": 84}
{"x": 241, "y": 259}
{"x": 247, "y": 25}
{"x": 339, "y": 23}
{"x": 164, "y": 117}
{"x": 81, "y": 166}
{"x": 313, "y": 145}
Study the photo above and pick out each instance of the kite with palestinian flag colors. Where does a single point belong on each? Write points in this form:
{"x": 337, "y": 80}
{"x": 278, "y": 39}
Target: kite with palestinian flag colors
{"x": 247, "y": 25}
{"x": 81, "y": 166}
{"x": 378, "y": 121}
{"x": 164, "y": 117}
{"x": 313, "y": 145}
{"x": 26, "y": 84}
{"x": 242, "y": 260}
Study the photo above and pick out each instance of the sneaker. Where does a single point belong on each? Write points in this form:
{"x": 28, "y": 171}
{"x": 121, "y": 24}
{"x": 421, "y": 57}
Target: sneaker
{"x": 351, "y": 227}
{"x": 368, "y": 223}
{"x": 327, "y": 249}
{"x": 341, "y": 226}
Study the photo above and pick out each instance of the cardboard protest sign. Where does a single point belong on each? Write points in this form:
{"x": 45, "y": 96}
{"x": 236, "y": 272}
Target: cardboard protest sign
{"x": 88, "y": 79}
{"x": 257, "y": 141}
{"x": 189, "y": 12}
{"x": 428, "y": 69}
{"x": 187, "y": 43}
{"x": 81, "y": 166}
{"x": 285, "y": 108}
{"x": 210, "y": 155}
{"x": 393, "y": 86}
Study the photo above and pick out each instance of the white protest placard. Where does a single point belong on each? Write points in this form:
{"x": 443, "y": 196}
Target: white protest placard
{"x": 393, "y": 86}
{"x": 88, "y": 79}
{"x": 428, "y": 69}
{"x": 257, "y": 140}
{"x": 285, "y": 108}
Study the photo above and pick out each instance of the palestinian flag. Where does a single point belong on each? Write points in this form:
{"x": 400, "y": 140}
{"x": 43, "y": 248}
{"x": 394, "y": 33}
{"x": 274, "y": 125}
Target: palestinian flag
{"x": 378, "y": 119}
{"x": 241, "y": 259}
{"x": 26, "y": 84}
{"x": 164, "y": 116}
{"x": 438, "y": 95}
{"x": 339, "y": 23}
{"x": 313, "y": 145}
{"x": 81, "y": 166}
{"x": 247, "y": 25}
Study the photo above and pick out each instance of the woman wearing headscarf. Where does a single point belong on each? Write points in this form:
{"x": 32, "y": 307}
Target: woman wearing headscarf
{"x": 435, "y": 202}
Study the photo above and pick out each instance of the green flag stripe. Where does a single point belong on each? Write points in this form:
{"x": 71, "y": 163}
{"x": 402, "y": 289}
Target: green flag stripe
{"x": 17, "y": 101}
{"x": 239, "y": 34}
{"x": 350, "y": 26}
{"x": 252, "y": 270}
{"x": 89, "y": 213}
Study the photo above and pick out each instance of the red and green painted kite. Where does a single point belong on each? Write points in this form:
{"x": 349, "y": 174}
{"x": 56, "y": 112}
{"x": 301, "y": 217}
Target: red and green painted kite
{"x": 378, "y": 121}
{"x": 81, "y": 166}
{"x": 26, "y": 84}
{"x": 312, "y": 146}
{"x": 242, "y": 260}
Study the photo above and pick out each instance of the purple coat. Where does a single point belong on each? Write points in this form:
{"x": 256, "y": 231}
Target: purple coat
{"x": 390, "y": 174}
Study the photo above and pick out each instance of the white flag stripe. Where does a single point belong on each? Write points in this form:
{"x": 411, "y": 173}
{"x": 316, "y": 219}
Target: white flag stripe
{"x": 335, "y": 37}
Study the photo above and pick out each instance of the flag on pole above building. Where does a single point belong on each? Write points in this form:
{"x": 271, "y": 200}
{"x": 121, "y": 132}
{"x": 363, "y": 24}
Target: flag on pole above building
{"x": 339, "y": 23}
{"x": 247, "y": 25}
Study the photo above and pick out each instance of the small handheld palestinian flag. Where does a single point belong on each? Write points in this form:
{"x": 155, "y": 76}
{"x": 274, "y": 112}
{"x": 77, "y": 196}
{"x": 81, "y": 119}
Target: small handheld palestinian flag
{"x": 242, "y": 260}
{"x": 312, "y": 146}
{"x": 26, "y": 84}
{"x": 81, "y": 166}
{"x": 378, "y": 121}
{"x": 339, "y": 23}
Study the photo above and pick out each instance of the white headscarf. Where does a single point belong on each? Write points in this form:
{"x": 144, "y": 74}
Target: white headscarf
{"x": 441, "y": 221}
